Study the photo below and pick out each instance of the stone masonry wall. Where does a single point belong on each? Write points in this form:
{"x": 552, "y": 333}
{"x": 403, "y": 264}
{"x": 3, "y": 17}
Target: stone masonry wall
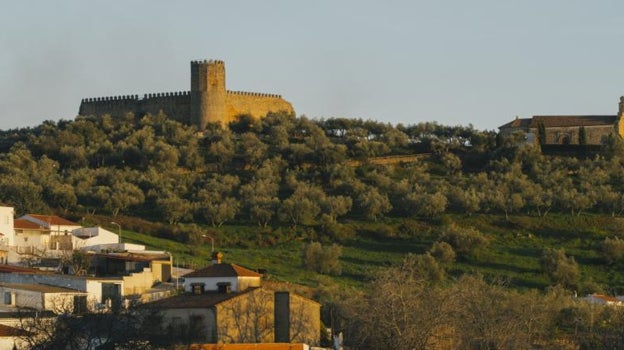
{"x": 208, "y": 101}
{"x": 113, "y": 105}
{"x": 175, "y": 105}
{"x": 595, "y": 134}
{"x": 254, "y": 104}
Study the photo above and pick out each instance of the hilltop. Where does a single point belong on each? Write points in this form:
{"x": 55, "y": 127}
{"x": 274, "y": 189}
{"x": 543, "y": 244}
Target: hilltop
{"x": 264, "y": 189}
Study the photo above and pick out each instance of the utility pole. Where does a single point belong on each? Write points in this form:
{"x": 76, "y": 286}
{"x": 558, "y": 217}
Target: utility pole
{"x": 118, "y": 230}
{"x": 211, "y": 242}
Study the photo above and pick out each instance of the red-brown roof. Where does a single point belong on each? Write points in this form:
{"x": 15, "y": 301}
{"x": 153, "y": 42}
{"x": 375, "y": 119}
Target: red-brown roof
{"x": 223, "y": 270}
{"x": 53, "y": 220}
{"x": 8, "y": 331}
{"x": 572, "y": 120}
{"x": 249, "y": 346}
{"x": 134, "y": 256}
{"x": 606, "y": 298}
{"x": 24, "y": 224}
{"x": 15, "y": 269}
{"x": 517, "y": 123}
{"x": 552, "y": 121}
{"x": 42, "y": 288}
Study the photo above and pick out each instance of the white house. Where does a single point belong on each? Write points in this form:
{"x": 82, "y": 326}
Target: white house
{"x": 40, "y": 235}
{"x": 7, "y": 234}
{"x": 221, "y": 277}
{"x": 602, "y": 299}
{"x": 6, "y": 224}
{"x": 43, "y": 297}
{"x": 55, "y": 224}
{"x": 87, "y": 237}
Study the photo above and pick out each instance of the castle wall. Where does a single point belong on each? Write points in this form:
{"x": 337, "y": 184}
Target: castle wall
{"x": 113, "y": 105}
{"x": 254, "y": 104}
{"x": 176, "y": 105}
{"x": 208, "y": 101}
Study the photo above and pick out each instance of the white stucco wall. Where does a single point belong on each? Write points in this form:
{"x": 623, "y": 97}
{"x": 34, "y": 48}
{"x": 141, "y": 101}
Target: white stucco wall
{"x": 94, "y": 289}
{"x": 97, "y": 236}
{"x": 210, "y": 282}
{"x": 8, "y": 342}
{"x": 57, "y": 302}
{"x": 32, "y": 238}
{"x": 6, "y": 223}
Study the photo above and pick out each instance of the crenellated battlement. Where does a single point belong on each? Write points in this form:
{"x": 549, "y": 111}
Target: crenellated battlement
{"x": 208, "y": 100}
{"x": 256, "y": 94}
{"x": 167, "y": 94}
{"x": 202, "y": 62}
{"x": 135, "y": 98}
{"x": 111, "y": 98}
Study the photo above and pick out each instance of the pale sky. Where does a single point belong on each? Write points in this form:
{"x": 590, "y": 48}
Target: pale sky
{"x": 455, "y": 62}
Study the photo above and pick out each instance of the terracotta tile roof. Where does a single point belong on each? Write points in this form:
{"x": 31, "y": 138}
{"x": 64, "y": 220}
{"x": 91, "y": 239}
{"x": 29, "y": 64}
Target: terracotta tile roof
{"x": 223, "y": 270}
{"x": 24, "y": 224}
{"x": 43, "y": 288}
{"x": 133, "y": 257}
{"x": 572, "y": 120}
{"x": 552, "y": 121}
{"x": 8, "y": 331}
{"x": 254, "y": 346}
{"x": 53, "y": 220}
{"x": 517, "y": 123}
{"x": 606, "y": 298}
{"x": 194, "y": 301}
{"x": 17, "y": 269}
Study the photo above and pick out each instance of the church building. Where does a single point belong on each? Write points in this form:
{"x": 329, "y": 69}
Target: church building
{"x": 568, "y": 129}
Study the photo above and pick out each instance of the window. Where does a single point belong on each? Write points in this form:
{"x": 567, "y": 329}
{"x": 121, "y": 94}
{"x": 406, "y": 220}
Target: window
{"x": 197, "y": 288}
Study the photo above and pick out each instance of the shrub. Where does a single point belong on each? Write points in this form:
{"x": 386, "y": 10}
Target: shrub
{"x": 339, "y": 232}
{"x": 464, "y": 241}
{"x": 325, "y": 260}
{"x": 560, "y": 268}
{"x": 612, "y": 249}
{"x": 443, "y": 253}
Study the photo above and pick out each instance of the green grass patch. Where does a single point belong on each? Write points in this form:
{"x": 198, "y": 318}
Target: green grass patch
{"x": 512, "y": 254}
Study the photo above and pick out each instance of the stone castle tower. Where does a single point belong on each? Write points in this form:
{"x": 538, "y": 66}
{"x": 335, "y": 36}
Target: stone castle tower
{"x": 208, "y": 101}
{"x": 208, "y": 94}
{"x": 620, "y": 118}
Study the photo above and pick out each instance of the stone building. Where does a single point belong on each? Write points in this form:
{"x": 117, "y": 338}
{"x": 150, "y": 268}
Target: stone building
{"x": 226, "y": 303}
{"x": 208, "y": 100}
{"x": 568, "y": 129}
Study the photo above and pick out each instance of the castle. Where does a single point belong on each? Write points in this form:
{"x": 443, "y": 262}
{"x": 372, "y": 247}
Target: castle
{"x": 208, "y": 101}
{"x": 567, "y": 129}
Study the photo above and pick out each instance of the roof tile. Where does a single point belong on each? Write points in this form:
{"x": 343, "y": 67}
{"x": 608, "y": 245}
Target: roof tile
{"x": 223, "y": 270}
{"x": 53, "y": 220}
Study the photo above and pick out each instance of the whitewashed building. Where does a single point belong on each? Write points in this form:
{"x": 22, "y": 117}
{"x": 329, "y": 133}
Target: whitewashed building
{"x": 221, "y": 277}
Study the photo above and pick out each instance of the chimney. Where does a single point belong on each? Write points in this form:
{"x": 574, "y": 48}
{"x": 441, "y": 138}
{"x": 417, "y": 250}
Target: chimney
{"x": 216, "y": 257}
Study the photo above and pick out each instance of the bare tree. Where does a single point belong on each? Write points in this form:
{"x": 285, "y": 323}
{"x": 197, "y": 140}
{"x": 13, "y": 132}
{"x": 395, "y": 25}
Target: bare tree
{"x": 403, "y": 311}
{"x": 247, "y": 318}
{"x": 63, "y": 329}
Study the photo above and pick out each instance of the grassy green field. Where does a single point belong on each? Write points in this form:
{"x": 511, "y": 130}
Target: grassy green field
{"x": 512, "y": 254}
